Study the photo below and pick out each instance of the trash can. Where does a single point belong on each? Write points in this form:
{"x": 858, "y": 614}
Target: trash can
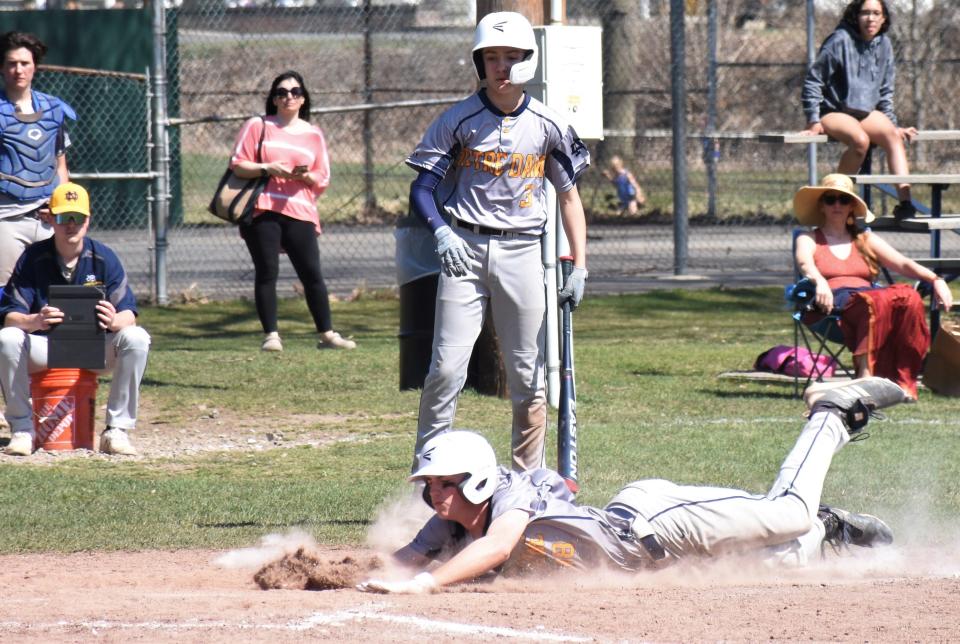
{"x": 418, "y": 274}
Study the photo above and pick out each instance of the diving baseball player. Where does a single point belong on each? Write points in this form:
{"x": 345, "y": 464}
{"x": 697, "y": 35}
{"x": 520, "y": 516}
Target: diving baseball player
{"x": 483, "y": 163}
{"x": 489, "y": 518}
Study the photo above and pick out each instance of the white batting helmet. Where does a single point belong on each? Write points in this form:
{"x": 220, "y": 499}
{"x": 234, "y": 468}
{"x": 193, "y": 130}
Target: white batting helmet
{"x": 506, "y": 29}
{"x": 460, "y": 452}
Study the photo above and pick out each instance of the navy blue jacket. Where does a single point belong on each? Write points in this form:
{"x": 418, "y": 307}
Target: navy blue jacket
{"x": 38, "y": 268}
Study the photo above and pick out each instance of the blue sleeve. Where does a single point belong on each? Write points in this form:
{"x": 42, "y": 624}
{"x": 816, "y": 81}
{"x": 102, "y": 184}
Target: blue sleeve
{"x": 115, "y": 282}
{"x": 19, "y": 295}
{"x": 422, "y": 201}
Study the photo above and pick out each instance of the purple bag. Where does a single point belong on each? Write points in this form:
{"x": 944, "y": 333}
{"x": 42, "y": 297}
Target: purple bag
{"x": 795, "y": 361}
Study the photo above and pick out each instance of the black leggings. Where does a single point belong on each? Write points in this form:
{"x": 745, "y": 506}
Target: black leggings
{"x": 269, "y": 232}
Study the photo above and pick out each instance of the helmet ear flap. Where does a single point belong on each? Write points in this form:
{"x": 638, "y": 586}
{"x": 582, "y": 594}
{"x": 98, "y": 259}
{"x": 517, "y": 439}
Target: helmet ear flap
{"x": 426, "y": 495}
{"x": 479, "y": 487}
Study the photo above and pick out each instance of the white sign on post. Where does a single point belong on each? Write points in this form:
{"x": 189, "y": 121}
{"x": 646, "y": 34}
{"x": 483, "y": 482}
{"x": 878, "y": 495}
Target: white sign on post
{"x": 569, "y": 78}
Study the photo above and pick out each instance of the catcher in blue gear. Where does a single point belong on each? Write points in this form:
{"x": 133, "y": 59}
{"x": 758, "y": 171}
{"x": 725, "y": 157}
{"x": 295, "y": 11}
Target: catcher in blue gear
{"x": 33, "y": 143}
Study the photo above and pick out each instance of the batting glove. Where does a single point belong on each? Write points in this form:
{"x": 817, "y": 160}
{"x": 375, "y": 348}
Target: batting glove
{"x": 419, "y": 585}
{"x": 572, "y": 290}
{"x": 452, "y": 251}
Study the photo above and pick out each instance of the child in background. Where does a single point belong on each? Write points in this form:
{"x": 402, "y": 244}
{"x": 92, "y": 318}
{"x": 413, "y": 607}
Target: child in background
{"x": 629, "y": 191}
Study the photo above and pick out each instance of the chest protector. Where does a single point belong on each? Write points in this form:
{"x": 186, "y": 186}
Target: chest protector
{"x": 28, "y": 156}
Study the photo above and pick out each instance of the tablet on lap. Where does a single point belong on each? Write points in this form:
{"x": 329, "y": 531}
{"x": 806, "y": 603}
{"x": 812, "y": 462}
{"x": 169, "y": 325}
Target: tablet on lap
{"x": 78, "y": 342}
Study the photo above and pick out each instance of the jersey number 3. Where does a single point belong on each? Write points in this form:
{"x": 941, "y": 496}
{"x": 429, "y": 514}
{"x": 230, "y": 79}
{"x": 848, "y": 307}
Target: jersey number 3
{"x": 527, "y": 200}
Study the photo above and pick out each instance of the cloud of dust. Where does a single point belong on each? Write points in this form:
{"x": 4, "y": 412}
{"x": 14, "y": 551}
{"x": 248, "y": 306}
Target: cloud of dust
{"x": 925, "y": 543}
{"x": 271, "y": 548}
{"x": 398, "y": 521}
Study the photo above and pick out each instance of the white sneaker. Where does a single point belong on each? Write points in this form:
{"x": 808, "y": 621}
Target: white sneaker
{"x": 21, "y": 444}
{"x": 336, "y": 341}
{"x": 271, "y": 342}
{"x": 115, "y": 441}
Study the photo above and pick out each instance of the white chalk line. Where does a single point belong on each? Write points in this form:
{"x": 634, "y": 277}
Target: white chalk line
{"x": 316, "y": 620}
{"x": 789, "y": 421}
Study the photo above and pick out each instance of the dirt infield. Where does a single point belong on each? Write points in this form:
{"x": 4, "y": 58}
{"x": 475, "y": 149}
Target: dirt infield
{"x": 889, "y": 595}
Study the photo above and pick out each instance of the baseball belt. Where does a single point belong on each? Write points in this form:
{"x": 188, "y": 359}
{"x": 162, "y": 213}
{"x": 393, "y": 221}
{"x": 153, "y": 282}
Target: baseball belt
{"x": 486, "y": 230}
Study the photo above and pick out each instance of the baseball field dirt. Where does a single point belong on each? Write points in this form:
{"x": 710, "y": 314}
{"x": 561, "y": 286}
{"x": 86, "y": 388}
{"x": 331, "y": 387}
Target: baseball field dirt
{"x": 893, "y": 594}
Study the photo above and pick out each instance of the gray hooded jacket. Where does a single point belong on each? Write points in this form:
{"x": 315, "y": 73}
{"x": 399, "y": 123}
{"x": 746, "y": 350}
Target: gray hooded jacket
{"x": 850, "y": 75}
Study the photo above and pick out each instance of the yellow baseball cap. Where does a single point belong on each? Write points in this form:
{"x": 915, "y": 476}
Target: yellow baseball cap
{"x": 70, "y": 198}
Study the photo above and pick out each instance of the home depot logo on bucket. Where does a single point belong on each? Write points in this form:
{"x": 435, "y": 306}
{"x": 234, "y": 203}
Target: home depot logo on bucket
{"x": 54, "y": 424}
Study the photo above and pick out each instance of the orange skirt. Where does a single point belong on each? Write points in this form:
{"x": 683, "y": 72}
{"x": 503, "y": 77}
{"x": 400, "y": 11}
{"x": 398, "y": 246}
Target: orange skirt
{"x": 889, "y": 326}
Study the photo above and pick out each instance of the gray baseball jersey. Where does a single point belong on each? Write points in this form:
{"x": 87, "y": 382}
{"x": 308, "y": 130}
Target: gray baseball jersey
{"x": 493, "y": 164}
{"x": 559, "y": 533}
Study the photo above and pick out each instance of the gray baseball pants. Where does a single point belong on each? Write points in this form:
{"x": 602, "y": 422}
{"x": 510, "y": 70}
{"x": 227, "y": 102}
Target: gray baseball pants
{"x": 505, "y": 273}
{"x": 16, "y": 233}
{"x": 22, "y": 354}
{"x": 691, "y": 520}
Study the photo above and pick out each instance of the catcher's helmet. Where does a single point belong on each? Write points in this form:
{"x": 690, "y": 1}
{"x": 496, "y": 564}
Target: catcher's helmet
{"x": 506, "y": 29}
{"x": 459, "y": 452}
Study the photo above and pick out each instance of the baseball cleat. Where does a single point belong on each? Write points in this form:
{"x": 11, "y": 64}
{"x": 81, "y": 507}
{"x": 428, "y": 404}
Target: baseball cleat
{"x": 21, "y": 444}
{"x": 116, "y": 441}
{"x": 856, "y": 399}
{"x": 844, "y": 528}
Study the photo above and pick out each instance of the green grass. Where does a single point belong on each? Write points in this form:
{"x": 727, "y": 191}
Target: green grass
{"x": 743, "y": 193}
{"x": 342, "y": 202}
{"x": 649, "y": 405}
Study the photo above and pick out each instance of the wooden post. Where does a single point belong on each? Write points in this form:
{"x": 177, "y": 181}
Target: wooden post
{"x": 619, "y": 105}
{"x": 533, "y": 10}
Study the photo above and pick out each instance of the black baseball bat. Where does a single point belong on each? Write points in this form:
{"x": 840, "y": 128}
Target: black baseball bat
{"x": 567, "y": 413}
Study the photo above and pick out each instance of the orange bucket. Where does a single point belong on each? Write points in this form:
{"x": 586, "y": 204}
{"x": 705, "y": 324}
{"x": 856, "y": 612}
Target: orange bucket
{"x": 64, "y": 406}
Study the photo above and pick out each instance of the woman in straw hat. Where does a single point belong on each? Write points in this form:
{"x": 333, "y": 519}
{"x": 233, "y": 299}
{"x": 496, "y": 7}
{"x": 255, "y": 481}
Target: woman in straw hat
{"x": 884, "y": 328}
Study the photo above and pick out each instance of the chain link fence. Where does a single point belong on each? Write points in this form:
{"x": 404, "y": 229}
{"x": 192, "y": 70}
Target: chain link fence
{"x": 109, "y": 154}
{"x": 379, "y": 76}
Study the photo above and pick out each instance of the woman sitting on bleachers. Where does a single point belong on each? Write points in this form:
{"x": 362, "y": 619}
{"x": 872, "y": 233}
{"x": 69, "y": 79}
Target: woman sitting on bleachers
{"x": 885, "y": 328}
{"x": 848, "y": 93}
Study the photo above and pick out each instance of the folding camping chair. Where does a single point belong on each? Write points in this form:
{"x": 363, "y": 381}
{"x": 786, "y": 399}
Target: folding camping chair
{"x": 821, "y": 338}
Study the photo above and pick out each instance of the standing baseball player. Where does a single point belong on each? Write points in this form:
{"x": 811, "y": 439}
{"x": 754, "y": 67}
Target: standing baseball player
{"x": 480, "y": 188}
{"x": 488, "y": 517}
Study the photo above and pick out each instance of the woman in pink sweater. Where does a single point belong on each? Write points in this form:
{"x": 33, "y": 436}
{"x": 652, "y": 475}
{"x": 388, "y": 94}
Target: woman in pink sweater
{"x": 294, "y": 156}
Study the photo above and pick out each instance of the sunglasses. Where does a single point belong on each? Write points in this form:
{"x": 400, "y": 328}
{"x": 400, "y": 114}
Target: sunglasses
{"x": 846, "y": 200}
{"x": 70, "y": 218}
{"x": 283, "y": 92}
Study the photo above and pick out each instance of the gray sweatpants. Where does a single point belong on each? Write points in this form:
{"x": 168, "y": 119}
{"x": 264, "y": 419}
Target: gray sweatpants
{"x": 507, "y": 274}
{"x": 691, "y": 520}
{"x": 22, "y": 354}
